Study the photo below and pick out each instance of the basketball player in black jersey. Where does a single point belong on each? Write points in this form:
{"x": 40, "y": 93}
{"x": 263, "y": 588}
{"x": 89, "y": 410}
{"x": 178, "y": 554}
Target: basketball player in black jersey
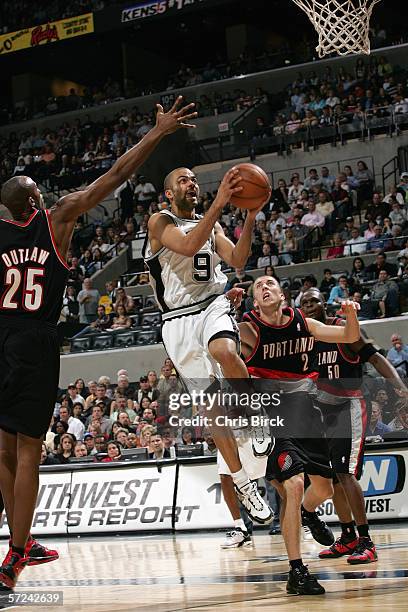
{"x": 33, "y": 274}
{"x": 341, "y": 400}
{"x": 278, "y": 345}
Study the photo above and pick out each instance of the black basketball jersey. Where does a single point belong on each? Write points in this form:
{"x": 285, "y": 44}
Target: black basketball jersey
{"x": 340, "y": 370}
{"x": 282, "y": 351}
{"x": 32, "y": 272}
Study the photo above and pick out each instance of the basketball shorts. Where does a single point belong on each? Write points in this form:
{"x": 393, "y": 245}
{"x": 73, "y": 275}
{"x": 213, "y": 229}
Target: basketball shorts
{"x": 307, "y": 451}
{"x": 345, "y": 426}
{"x": 254, "y": 466}
{"x": 186, "y": 340}
{"x": 29, "y": 374}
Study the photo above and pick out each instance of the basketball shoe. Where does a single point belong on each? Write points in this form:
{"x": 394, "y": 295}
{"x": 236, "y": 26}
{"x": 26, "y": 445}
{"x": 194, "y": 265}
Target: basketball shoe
{"x": 319, "y": 530}
{"x": 257, "y": 509}
{"x": 301, "y": 582}
{"x": 236, "y": 538}
{"x": 10, "y": 571}
{"x": 36, "y": 553}
{"x": 262, "y": 441}
{"x": 342, "y": 546}
{"x": 364, "y": 552}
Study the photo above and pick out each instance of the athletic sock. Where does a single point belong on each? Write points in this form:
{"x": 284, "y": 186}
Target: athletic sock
{"x": 348, "y": 530}
{"x": 16, "y": 549}
{"x": 307, "y": 514}
{"x": 239, "y": 524}
{"x": 240, "y": 478}
{"x": 363, "y": 531}
{"x": 296, "y": 564}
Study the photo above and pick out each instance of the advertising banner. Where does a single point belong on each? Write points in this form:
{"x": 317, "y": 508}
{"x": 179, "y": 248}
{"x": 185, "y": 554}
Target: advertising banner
{"x": 150, "y": 497}
{"x": 199, "y": 486}
{"x": 384, "y": 485}
{"x": 50, "y": 32}
{"x": 52, "y": 510}
{"x": 133, "y": 498}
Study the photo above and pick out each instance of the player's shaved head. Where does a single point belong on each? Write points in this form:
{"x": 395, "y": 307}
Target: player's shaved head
{"x": 16, "y": 194}
{"x": 173, "y": 176}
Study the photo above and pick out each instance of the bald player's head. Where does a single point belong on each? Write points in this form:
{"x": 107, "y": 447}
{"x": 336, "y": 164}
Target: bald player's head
{"x": 20, "y": 195}
{"x": 181, "y": 189}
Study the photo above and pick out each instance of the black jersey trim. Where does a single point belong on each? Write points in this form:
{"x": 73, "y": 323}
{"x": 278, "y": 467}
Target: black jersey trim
{"x": 156, "y": 270}
{"x": 26, "y": 223}
{"x": 147, "y": 239}
{"x": 54, "y": 244}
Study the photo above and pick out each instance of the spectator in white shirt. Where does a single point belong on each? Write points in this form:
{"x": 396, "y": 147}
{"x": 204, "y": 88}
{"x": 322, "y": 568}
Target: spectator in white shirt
{"x": 394, "y": 193}
{"x": 295, "y": 189}
{"x": 267, "y": 258}
{"x": 312, "y": 218}
{"x": 75, "y": 426}
{"x": 357, "y": 245}
{"x": 332, "y": 100}
{"x": 397, "y": 215}
{"x": 144, "y": 191}
{"x": 74, "y": 395}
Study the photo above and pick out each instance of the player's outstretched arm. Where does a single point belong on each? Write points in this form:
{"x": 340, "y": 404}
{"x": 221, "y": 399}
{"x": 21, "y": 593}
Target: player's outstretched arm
{"x": 163, "y": 232}
{"x": 71, "y": 206}
{"x": 347, "y": 334}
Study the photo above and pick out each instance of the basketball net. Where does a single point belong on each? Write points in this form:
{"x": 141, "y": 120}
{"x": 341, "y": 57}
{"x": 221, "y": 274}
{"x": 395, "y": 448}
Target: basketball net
{"x": 342, "y": 25}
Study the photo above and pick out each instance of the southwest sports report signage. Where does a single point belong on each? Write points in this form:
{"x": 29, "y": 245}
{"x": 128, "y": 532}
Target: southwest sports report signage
{"x": 180, "y": 494}
{"x": 52, "y": 31}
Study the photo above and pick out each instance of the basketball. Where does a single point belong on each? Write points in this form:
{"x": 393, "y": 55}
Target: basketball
{"x": 256, "y": 187}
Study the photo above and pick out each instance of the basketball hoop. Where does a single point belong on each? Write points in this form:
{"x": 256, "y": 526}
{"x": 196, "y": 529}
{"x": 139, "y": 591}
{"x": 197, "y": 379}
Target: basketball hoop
{"x": 342, "y": 25}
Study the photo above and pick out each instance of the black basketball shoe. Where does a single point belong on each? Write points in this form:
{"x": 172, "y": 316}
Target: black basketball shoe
{"x": 301, "y": 582}
{"x": 319, "y": 530}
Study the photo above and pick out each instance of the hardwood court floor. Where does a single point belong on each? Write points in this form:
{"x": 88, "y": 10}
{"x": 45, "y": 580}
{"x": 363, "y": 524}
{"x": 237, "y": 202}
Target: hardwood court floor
{"x": 191, "y": 572}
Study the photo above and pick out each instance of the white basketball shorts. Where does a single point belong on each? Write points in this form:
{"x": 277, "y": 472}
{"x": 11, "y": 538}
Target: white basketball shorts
{"x": 254, "y": 466}
{"x": 186, "y": 341}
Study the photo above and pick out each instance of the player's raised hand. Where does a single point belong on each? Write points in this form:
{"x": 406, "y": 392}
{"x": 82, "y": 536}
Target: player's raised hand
{"x": 348, "y": 307}
{"x": 229, "y": 185}
{"x": 176, "y": 117}
{"x": 235, "y": 296}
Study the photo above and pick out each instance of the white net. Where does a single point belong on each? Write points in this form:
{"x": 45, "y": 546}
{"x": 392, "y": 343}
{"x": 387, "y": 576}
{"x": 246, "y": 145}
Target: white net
{"x": 342, "y": 25}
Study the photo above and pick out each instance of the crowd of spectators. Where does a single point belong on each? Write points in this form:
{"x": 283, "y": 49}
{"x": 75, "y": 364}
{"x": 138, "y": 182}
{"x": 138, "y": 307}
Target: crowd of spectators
{"x": 374, "y": 89}
{"x": 101, "y": 419}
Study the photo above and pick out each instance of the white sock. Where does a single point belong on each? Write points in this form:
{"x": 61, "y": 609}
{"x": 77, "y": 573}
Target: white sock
{"x": 240, "y": 478}
{"x": 239, "y": 523}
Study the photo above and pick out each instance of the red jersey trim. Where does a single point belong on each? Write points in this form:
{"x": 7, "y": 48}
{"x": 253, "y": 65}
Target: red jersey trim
{"x": 18, "y": 223}
{"x": 339, "y": 392}
{"x": 304, "y": 320}
{"x": 277, "y": 374}
{"x": 54, "y": 244}
{"x": 258, "y": 339}
{"x": 292, "y": 314}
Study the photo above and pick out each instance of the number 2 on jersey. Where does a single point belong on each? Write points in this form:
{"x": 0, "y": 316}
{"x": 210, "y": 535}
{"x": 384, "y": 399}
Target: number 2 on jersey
{"x": 32, "y": 291}
{"x": 202, "y": 267}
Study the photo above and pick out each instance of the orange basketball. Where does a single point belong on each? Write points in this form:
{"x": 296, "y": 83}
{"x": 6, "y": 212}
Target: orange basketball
{"x": 256, "y": 187}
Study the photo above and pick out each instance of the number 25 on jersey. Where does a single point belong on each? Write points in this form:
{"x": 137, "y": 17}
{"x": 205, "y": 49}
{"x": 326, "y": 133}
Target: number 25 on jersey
{"x": 32, "y": 289}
